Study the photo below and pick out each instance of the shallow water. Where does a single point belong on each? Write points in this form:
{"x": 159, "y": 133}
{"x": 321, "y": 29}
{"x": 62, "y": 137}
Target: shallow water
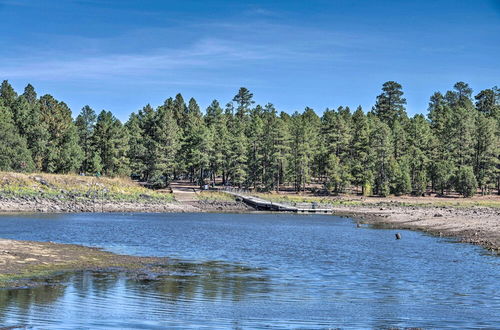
{"x": 257, "y": 270}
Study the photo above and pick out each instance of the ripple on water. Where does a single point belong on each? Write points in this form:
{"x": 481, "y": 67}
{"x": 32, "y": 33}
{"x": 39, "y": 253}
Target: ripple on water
{"x": 282, "y": 271}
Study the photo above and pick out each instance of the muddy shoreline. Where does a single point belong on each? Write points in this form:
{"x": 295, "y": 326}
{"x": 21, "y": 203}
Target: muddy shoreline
{"x": 30, "y": 264}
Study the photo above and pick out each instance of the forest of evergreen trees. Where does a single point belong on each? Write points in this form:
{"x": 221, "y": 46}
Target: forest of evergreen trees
{"x": 455, "y": 148}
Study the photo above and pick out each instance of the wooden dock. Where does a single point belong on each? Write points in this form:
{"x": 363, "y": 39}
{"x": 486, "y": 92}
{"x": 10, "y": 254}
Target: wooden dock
{"x": 265, "y": 205}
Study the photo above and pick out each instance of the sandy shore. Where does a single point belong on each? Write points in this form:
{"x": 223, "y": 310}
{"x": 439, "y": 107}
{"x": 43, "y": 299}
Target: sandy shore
{"x": 475, "y": 225}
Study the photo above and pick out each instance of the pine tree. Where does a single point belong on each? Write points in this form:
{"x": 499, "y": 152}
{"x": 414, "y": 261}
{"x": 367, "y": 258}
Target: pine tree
{"x": 136, "y": 149}
{"x": 63, "y": 153}
{"x": 488, "y": 102}
{"x": 304, "y": 131}
{"x": 163, "y": 147}
{"x": 400, "y": 139}
{"x": 195, "y": 144}
{"x": 400, "y": 174}
{"x": 85, "y": 123}
{"x": 216, "y": 123}
{"x": 444, "y": 174}
{"x": 244, "y": 100}
{"x": 486, "y": 152}
{"x": 255, "y": 156}
{"x": 274, "y": 148}
{"x": 110, "y": 140}
{"x": 360, "y": 151}
{"x": 7, "y": 94}
{"x": 390, "y": 105}
{"x": 466, "y": 183}
{"x": 382, "y": 149}
{"x": 337, "y": 175}
{"x": 14, "y": 153}
{"x": 335, "y": 137}
{"x": 236, "y": 167}
{"x": 419, "y": 140}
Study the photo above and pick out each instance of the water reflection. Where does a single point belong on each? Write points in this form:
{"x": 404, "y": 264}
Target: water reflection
{"x": 279, "y": 271}
{"x": 143, "y": 293}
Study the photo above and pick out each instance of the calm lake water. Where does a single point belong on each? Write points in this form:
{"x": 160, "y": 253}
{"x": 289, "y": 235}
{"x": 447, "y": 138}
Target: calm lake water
{"x": 255, "y": 271}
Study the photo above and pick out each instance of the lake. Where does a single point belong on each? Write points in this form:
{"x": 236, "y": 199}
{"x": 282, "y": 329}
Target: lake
{"x": 255, "y": 271}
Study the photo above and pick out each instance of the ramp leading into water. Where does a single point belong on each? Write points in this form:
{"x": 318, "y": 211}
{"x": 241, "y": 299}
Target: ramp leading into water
{"x": 265, "y": 205}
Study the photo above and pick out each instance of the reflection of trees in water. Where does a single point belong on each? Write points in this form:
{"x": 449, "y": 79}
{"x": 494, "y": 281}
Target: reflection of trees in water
{"x": 208, "y": 281}
{"x": 23, "y": 299}
{"x": 176, "y": 281}
{"x": 92, "y": 283}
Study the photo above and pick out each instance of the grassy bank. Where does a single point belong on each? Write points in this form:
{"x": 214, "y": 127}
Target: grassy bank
{"x": 71, "y": 187}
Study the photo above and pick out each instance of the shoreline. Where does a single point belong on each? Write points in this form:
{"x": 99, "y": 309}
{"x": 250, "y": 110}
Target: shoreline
{"x": 29, "y": 204}
{"x": 477, "y": 226}
{"x": 22, "y": 262}
{"x": 28, "y": 263}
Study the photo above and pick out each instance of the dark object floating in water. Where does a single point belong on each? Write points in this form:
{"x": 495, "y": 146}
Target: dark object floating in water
{"x": 398, "y": 236}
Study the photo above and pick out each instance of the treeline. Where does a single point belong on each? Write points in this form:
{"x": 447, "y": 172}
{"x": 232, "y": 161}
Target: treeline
{"x": 455, "y": 148}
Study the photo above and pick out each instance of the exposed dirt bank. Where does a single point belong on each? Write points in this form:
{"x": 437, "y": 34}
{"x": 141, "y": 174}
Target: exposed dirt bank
{"x": 472, "y": 220}
{"x": 25, "y": 263}
{"x": 476, "y": 225}
{"x": 66, "y": 205}
{"x": 71, "y": 205}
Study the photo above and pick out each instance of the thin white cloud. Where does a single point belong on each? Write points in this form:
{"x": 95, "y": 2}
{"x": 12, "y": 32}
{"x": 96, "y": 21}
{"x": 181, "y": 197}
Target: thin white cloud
{"x": 229, "y": 44}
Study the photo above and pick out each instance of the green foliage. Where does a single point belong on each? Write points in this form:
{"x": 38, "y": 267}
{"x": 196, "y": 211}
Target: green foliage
{"x": 338, "y": 176}
{"x": 360, "y": 159}
{"x": 420, "y": 183}
{"x": 110, "y": 142}
{"x": 304, "y": 129}
{"x": 63, "y": 152}
{"x": 486, "y": 156}
{"x": 443, "y": 173}
{"x": 14, "y": 153}
{"x": 162, "y": 146}
{"x": 390, "y": 105}
{"x": 252, "y": 146}
{"x": 85, "y": 122}
{"x": 401, "y": 181}
{"x": 465, "y": 181}
{"x": 382, "y": 149}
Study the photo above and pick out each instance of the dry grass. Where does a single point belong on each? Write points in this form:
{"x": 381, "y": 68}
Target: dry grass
{"x": 492, "y": 201}
{"x": 207, "y": 195}
{"x": 47, "y": 185}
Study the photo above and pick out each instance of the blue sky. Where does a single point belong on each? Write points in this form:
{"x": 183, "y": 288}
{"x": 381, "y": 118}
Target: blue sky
{"x": 120, "y": 55}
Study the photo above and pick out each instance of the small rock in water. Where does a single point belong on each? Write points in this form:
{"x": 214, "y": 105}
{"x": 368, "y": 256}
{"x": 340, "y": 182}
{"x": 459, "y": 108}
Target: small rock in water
{"x": 398, "y": 236}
